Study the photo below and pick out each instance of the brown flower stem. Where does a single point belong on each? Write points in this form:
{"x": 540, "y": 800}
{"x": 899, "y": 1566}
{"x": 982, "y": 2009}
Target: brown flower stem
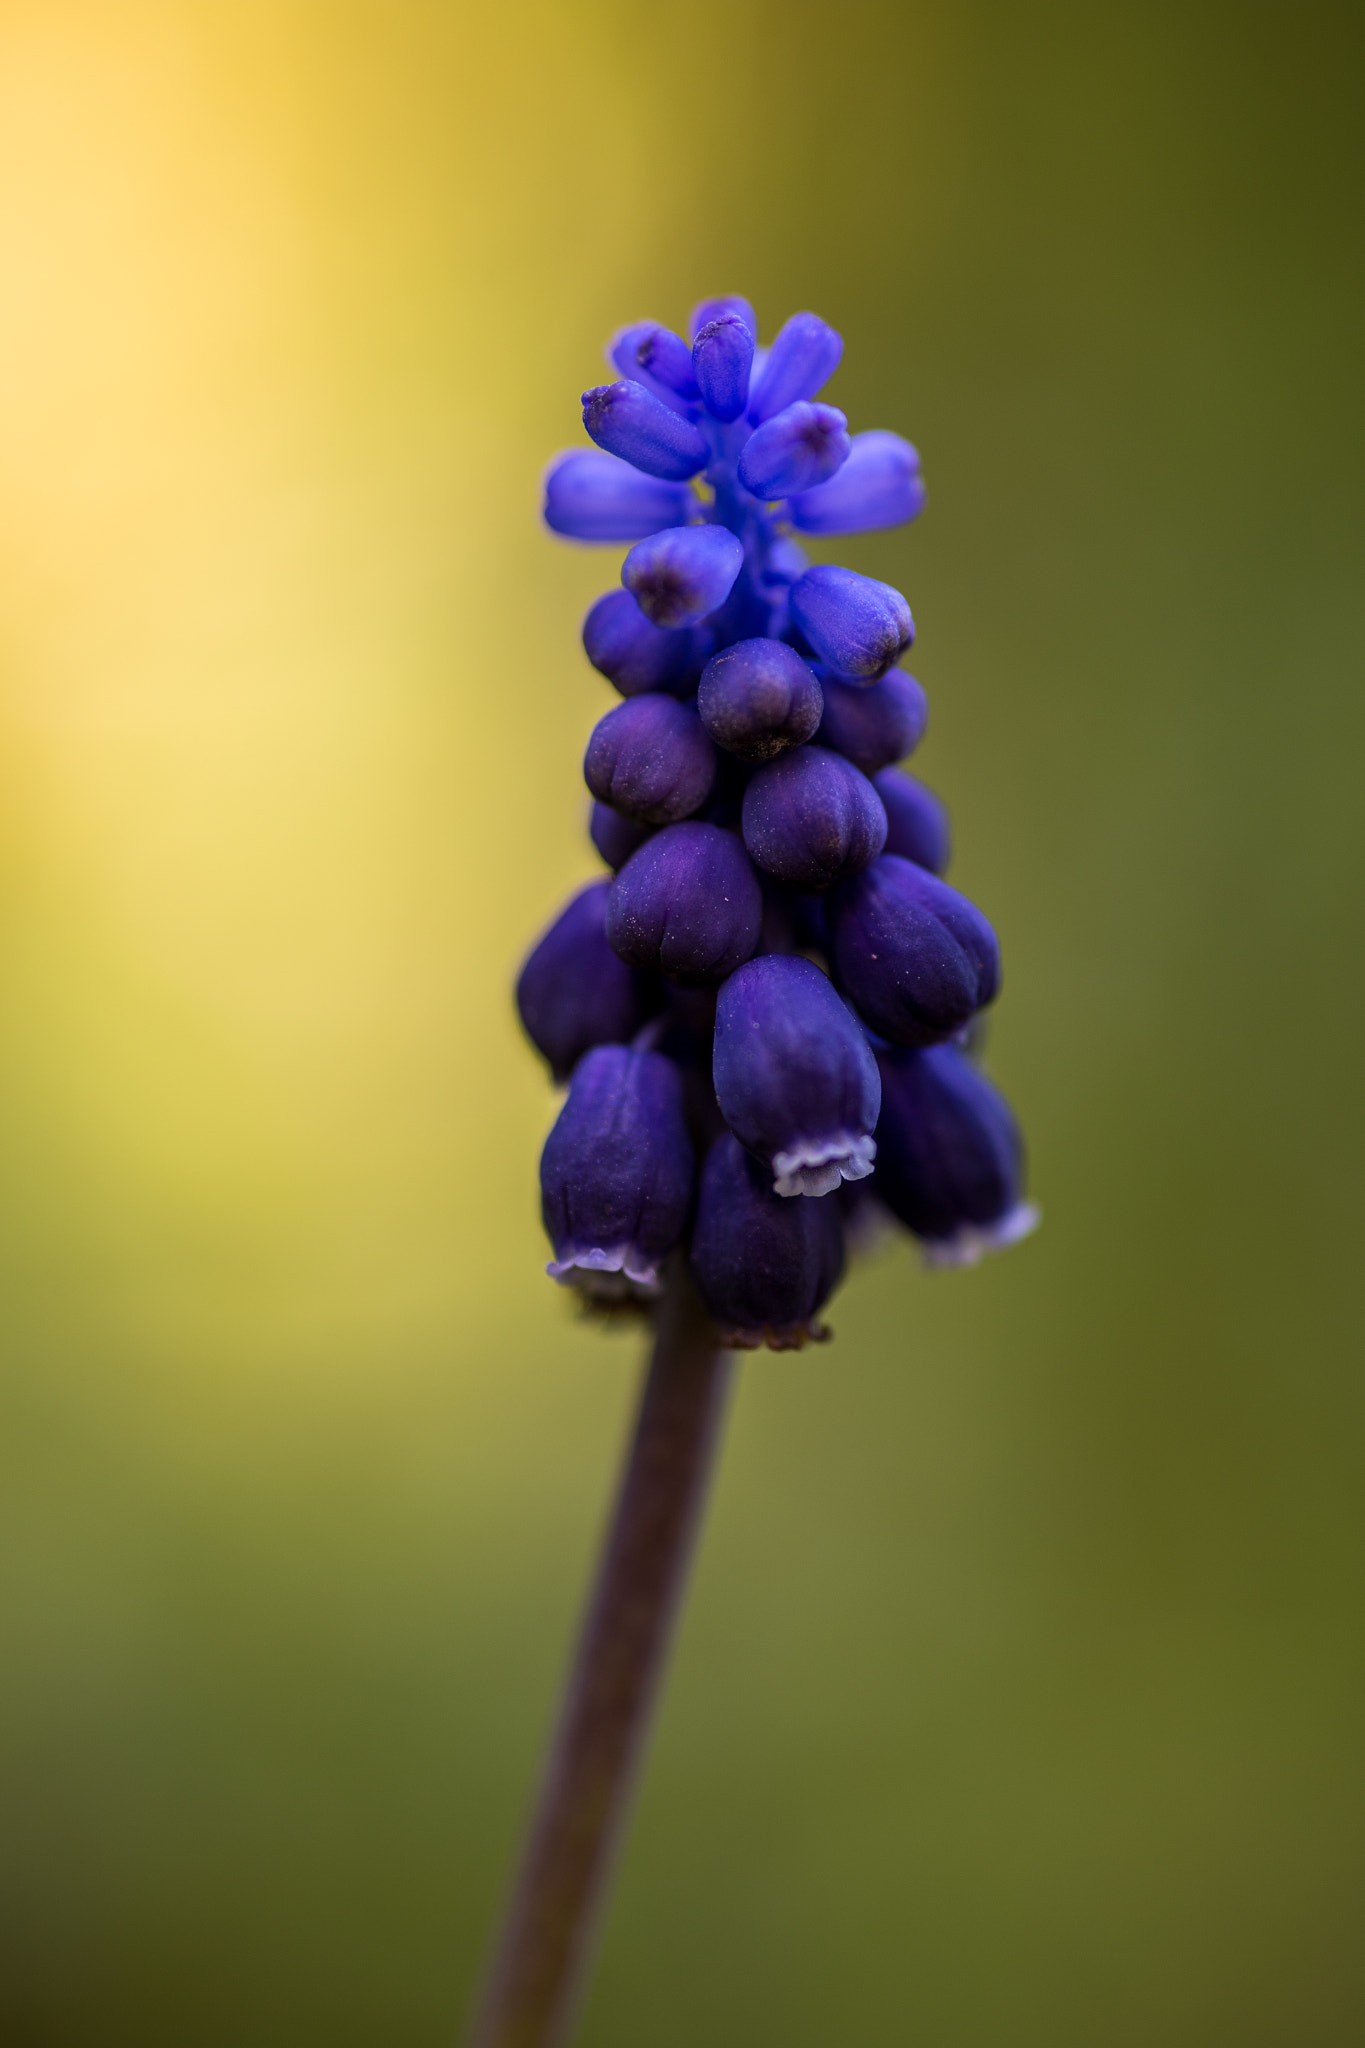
{"x": 543, "y": 1952}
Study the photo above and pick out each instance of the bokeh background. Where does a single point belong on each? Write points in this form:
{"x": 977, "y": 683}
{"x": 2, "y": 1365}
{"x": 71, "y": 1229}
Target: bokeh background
{"x": 1020, "y": 1696}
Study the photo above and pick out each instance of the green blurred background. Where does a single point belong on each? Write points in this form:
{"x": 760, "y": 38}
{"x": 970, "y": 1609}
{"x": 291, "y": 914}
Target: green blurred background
{"x": 1020, "y": 1697}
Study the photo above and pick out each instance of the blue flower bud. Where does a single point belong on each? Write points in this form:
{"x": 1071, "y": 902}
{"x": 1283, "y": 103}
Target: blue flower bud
{"x": 812, "y": 818}
{"x": 950, "y": 1158}
{"x": 622, "y": 353}
{"x": 592, "y": 496}
{"x": 797, "y": 448}
{"x": 873, "y": 724}
{"x": 616, "y": 1172}
{"x": 680, "y": 575}
{"x": 722, "y": 355}
{"x": 794, "y": 1074}
{"x": 651, "y": 758}
{"x": 714, "y": 309}
{"x": 631, "y": 422}
{"x": 758, "y": 698}
{"x": 855, "y": 624}
{"x": 916, "y": 820}
{"x": 666, "y": 359}
{"x": 615, "y": 835}
{"x": 763, "y": 1266}
{"x": 574, "y": 992}
{"x": 804, "y": 356}
{"x": 879, "y": 485}
{"x": 914, "y": 957}
{"x": 688, "y": 903}
{"x": 622, "y": 645}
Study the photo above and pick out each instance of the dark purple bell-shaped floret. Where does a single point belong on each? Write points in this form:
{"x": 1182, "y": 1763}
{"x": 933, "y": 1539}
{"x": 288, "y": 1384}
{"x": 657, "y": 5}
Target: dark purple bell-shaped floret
{"x": 666, "y": 359}
{"x": 593, "y": 496}
{"x": 914, "y": 957}
{"x": 799, "y": 447}
{"x": 855, "y": 624}
{"x": 615, "y": 835}
{"x": 950, "y": 1159}
{"x": 629, "y": 421}
{"x": 574, "y": 992}
{"x": 758, "y": 698}
{"x": 804, "y": 356}
{"x": 651, "y": 758}
{"x": 687, "y": 904}
{"x": 811, "y": 818}
{"x": 616, "y": 1172}
{"x": 916, "y": 820}
{"x": 795, "y": 1077}
{"x": 879, "y": 485}
{"x": 622, "y": 645}
{"x": 764, "y": 1267}
{"x": 873, "y": 724}
{"x": 681, "y": 574}
{"x": 722, "y": 356}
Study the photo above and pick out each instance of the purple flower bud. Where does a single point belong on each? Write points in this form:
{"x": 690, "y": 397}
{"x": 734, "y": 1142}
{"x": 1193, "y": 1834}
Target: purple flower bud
{"x": 722, "y": 355}
{"x": 622, "y": 353}
{"x": 758, "y": 698}
{"x": 616, "y": 1172}
{"x": 879, "y": 485}
{"x": 764, "y": 1267}
{"x": 615, "y": 835}
{"x": 873, "y": 724}
{"x": 622, "y": 645}
{"x": 812, "y": 818}
{"x": 597, "y": 497}
{"x": 804, "y": 356}
{"x": 651, "y": 759}
{"x": 688, "y": 903}
{"x": 574, "y": 992}
{"x": 794, "y": 1074}
{"x": 914, "y": 957}
{"x": 796, "y": 449}
{"x": 666, "y": 359}
{"x": 713, "y": 309}
{"x": 916, "y": 820}
{"x": 855, "y": 624}
{"x": 631, "y": 422}
{"x": 680, "y": 575}
{"x": 950, "y": 1159}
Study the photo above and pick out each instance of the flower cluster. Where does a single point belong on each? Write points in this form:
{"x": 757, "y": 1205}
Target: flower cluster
{"x": 763, "y": 1017}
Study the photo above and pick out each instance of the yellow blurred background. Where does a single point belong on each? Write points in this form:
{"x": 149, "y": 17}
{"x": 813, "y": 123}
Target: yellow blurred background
{"x": 1019, "y": 1699}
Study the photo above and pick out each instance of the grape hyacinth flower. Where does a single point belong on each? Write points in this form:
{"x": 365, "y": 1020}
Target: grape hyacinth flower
{"x": 950, "y": 1158}
{"x": 765, "y": 1266}
{"x": 616, "y": 1173}
{"x": 794, "y": 1075}
{"x": 761, "y": 1012}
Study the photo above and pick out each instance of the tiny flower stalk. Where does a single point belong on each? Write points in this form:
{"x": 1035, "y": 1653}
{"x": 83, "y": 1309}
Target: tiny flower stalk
{"x": 762, "y": 1012}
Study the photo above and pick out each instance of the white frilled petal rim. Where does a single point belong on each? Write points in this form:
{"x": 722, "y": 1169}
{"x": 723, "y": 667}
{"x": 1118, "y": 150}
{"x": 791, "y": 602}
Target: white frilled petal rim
{"x": 815, "y": 1166}
{"x": 970, "y": 1244}
{"x": 614, "y": 1273}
